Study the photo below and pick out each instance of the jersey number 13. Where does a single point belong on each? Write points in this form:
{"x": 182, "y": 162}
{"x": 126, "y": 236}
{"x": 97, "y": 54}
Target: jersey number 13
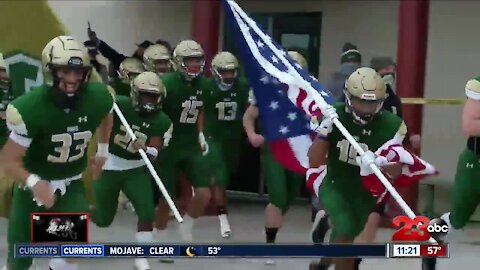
{"x": 227, "y": 111}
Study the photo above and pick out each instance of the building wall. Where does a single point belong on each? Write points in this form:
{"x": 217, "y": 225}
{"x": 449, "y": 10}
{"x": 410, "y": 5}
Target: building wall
{"x": 122, "y": 24}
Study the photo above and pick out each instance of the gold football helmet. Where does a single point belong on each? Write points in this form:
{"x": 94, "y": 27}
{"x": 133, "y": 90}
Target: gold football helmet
{"x": 225, "y": 70}
{"x": 189, "y": 59}
{"x": 156, "y": 58}
{"x": 67, "y": 65}
{"x": 365, "y": 91}
{"x": 65, "y": 52}
{"x": 147, "y": 93}
{"x": 129, "y": 69}
{"x": 299, "y": 59}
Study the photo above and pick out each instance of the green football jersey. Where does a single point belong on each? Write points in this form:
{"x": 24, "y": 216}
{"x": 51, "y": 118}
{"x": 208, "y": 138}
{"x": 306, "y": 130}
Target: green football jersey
{"x": 58, "y": 149}
{"x": 121, "y": 88}
{"x": 224, "y": 110}
{"x": 341, "y": 163}
{"x": 121, "y": 145}
{"x": 183, "y": 104}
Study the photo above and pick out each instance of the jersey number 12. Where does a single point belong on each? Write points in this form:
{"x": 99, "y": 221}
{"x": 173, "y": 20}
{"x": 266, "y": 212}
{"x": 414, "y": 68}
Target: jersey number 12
{"x": 348, "y": 153}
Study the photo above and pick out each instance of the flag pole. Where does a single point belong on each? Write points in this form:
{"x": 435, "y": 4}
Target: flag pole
{"x": 150, "y": 167}
{"x": 297, "y": 78}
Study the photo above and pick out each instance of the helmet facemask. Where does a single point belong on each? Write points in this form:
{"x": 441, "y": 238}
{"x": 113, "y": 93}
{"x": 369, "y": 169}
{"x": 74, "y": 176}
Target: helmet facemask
{"x": 127, "y": 76}
{"x": 129, "y": 69}
{"x": 363, "y": 110}
{"x": 225, "y": 78}
{"x": 192, "y": 66}
{"x": 147, "y": 102}
{"x": 159, "y": 66}
{"x": 68, "y": 82}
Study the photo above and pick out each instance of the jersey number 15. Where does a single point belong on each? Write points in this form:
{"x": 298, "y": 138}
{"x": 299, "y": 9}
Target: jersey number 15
{"x": 191, "y": 109}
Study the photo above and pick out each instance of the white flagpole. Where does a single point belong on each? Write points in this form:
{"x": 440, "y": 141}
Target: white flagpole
{"x": 150, "y": 167}
{"x": 311, "y": 91}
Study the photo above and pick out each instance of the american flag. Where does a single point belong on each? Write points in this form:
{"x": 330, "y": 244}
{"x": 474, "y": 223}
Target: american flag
{"x": 286, "y": 108}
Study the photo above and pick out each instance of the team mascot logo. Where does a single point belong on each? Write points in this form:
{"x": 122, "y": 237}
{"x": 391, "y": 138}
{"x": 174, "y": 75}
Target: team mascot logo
{"x": 25, "y": 72}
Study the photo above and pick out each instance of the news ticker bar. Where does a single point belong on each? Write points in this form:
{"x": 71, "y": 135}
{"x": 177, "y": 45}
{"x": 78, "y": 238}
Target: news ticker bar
{"x": 209, "y": 251}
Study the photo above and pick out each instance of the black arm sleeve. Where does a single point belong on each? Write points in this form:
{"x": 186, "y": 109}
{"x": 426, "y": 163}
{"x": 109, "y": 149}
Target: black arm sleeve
{"x": 111, "y": 54}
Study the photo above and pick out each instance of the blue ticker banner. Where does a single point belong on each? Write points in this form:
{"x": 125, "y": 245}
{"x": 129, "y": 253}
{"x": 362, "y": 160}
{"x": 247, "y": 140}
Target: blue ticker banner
{"x": 195, "y": 250}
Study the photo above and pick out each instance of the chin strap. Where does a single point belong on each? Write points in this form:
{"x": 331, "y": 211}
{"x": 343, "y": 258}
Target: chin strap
{"x": 349, "y": 110}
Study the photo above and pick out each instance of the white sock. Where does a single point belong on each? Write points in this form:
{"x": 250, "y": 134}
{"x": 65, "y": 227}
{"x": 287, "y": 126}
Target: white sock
{"x": 144, "y": 237}
{"x": 62, "y": 264}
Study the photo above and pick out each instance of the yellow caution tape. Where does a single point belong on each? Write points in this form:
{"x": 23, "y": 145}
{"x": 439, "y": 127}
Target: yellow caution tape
{"x": 434, "y": 101}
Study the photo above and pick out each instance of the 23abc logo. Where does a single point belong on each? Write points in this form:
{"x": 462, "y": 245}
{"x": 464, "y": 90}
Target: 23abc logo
{"x": 419, "y": 229}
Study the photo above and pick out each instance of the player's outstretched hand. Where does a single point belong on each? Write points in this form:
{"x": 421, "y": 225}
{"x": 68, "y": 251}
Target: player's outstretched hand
{"x": 43, "y": 194}
{"x": 256, "y": 140}
{"x": 329, "y": 112}
{"x": 139, "y": 144}
{"x": 96, "y": 163}
{"x": 324, "y": 128}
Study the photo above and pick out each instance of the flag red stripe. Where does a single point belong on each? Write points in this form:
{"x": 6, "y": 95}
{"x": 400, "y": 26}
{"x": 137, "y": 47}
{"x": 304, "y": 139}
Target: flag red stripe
{"x": 284, "y": 154}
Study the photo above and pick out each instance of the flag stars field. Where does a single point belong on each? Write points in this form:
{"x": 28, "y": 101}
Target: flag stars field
{"x": 274, "y": 105}
{"x": 292, "y": 116}
{"x": 284, "y": 130}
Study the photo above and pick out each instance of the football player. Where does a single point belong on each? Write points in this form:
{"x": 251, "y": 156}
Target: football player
{"x": 5, "y": 98}
{"x": 125, "y": 170}
{"x": 156, "y": 58}
{"x": 127, "y": 71}
{"x": 342, "y": 194}
{"x": 51, "y": 127}
{"x": 188, "y": 146}
{"x": 283, "y": 185}
{"x": 225, "y": 104}
{"x": 466, "y": 197}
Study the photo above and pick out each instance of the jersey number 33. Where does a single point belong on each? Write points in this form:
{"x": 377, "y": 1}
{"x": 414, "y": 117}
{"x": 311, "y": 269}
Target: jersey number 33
{"x": 78, "y": 141}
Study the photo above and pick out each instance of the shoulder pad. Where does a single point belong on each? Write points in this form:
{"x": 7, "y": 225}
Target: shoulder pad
{"x": 472, "y": 89}
{"x": 111, "y": 91}
{"x": 402, "y": 130}
{"x": 251, "y": 97}
{"x": 15, "y": 121}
